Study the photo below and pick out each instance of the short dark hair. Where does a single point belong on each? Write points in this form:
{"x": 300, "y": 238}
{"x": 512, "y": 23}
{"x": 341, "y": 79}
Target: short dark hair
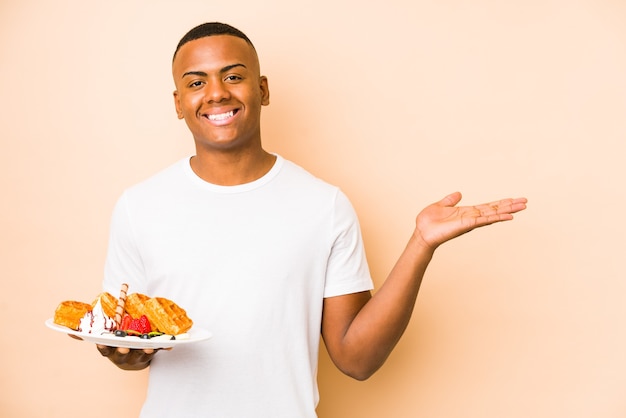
{"x": 211, "y": 29}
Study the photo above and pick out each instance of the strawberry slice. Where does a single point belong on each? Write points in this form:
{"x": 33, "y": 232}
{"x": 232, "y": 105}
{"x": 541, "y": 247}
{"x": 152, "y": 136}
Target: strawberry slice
{"x": 134, "y": 325}
{"x": 126, "y": 320}
{"x": 144, "y": 325}
{"x": 141, "y": 325}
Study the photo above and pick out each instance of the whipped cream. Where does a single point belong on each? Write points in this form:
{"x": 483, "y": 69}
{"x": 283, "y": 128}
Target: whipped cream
{"x": 96, "y": 321}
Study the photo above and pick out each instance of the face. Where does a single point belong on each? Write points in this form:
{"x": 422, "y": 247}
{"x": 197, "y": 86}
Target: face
{"x": 219, "y": 92}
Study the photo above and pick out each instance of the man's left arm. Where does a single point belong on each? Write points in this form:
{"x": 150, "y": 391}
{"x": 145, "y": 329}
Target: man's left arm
{"x": 361, "y": 330}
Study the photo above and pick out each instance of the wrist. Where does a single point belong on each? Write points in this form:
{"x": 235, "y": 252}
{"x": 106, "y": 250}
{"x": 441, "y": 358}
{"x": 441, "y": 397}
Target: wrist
{"x": 420, "y": 245}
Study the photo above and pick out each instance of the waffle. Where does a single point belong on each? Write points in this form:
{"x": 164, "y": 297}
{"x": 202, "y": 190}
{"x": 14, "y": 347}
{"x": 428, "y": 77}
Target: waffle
{"x": 135, "y": 304}
{"x": 108, "y": 302}
{"x": 69, "y": 313}
{"x": 166, "y": 316}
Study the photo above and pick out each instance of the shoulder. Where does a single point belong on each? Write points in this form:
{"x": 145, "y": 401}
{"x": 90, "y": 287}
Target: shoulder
{"x": 171, "y": 177}
{"x": 153, "y": 192}
{"x": 295, "y": 174}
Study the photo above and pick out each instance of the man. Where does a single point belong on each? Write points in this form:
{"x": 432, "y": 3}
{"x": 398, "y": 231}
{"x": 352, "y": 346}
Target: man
{"x": 259, "y": 252}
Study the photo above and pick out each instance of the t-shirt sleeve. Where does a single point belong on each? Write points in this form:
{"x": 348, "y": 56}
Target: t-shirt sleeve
{"x": 123, "y": 262}
{"x": 347, "y": 270}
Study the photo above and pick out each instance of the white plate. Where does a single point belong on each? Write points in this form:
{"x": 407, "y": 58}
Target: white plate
{"x": 195, "y": 335}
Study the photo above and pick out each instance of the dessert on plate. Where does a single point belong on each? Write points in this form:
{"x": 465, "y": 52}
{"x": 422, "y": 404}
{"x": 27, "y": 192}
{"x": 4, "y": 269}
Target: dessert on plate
{"x": 132, "y": 315}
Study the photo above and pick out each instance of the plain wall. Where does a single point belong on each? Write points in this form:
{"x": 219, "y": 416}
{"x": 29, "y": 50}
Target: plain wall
{"x": 398, "y": 102}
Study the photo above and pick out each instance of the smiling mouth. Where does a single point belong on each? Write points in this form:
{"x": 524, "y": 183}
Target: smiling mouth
{"x": 221, "y": 116}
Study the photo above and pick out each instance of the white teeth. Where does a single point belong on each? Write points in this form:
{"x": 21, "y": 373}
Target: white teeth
{"x": 222, "y": 116}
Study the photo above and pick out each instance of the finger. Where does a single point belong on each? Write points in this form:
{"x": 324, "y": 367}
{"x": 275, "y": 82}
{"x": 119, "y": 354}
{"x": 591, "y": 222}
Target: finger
{"x": 509, "y": 202}
{"x": 495, "y": 213}
{"x": 115, "y": 354}
{"x": 503, "y": 206}
{"x": 122, "y": 355}
{"x": 518, "y": 204}
{"x": 105, "y": 350}
{"x": 123, "y": 350}
{"x": 488, "y": 220}
{"x": 451, "y": 200}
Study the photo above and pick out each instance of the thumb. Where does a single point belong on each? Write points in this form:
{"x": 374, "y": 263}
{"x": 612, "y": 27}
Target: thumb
{"x": 451, "y": 199}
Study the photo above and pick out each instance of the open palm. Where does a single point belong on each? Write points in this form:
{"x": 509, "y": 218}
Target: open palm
{"x": 443, "y": 220}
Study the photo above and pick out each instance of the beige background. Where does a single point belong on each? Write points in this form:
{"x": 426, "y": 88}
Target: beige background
{"x": 399, "y": 102}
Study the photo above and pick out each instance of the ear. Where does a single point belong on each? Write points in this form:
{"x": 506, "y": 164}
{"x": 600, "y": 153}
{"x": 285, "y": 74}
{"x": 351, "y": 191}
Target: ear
{"x": 179, "y": 112}
{"x": 265, "y": 91}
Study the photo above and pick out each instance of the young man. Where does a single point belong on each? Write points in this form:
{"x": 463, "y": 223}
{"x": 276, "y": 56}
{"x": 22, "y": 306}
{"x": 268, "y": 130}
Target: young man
{"x": 259, "y": 252}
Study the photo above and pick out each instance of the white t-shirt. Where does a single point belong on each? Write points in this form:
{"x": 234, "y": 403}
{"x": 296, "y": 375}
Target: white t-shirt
{"x": 251, "y": 264}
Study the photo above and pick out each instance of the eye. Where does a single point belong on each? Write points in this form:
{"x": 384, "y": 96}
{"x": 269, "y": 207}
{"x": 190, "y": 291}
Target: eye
{"x": 232, "y": 78}
{"x": 196, "y": 83}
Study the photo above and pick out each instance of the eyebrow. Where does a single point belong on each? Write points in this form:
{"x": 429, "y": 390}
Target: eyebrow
{"x": 204, "y": 74}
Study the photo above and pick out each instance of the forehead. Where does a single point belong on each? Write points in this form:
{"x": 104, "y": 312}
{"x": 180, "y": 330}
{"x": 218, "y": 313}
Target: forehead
{"x": 212, "y": 53}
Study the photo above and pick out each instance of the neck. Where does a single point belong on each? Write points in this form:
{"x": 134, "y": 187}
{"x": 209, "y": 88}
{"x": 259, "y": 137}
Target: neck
{"x": 231, "y": 169}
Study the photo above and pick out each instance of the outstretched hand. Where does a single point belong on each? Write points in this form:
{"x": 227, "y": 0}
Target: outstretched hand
{"x": 443, "y": 220}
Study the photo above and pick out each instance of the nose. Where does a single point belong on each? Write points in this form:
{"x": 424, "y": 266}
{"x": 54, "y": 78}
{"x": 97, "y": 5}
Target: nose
{"x": 215, "y": 91}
